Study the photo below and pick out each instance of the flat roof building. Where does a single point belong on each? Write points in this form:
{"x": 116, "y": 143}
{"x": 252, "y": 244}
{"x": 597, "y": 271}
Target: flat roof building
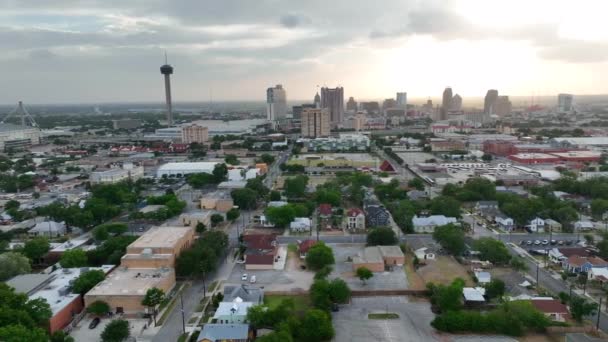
{"x": 182, "y": 169}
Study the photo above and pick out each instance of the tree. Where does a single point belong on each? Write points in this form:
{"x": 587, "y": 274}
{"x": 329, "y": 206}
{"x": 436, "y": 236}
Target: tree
{"x": 74, "y": 258}
{"x": 231, "y": 159}
{"x": 11, "y": 204}
{"x": 20, "y": 333}
{"x": 98, "y": 308}
{"x": 447, "y": 297}
{"x": 154, "y": 296}
{"x": 599, "y": 207}
{"x": 39, "y": 310}
{"x": 451, "y": 238}
{"x": 492, "y": 250}
{"x": 257, "y": 185}
{"x": 61, "y": 336}
{"x": 276, "y": 336}
{"x": 316, "y": 326}
{"x": 486, "y": 157}
{"x": 416, "y": 183}
{"x": 36, "y": 248}
{"x": 275, "y": 196}
{"x": 200, "y": 227}
{"x": 219, "y": 173}
{"x": 579, "y": 308}
{"x": 444, "y": 205}
{"x": 518, "y": 264}
{"x": 12, "y": 264}
{"x": 233, "y": 214}
{"x": 116, "y": 331}
{"x": 328, "y": 196}
{"x": 295, "y": 187}
{"x": 364, "y": 274}
{"x": 382, "y": 236}
{"x": 216, "y": 219}
{"x": 339, "y": 292}
{"x": 267, "y": 158}
{"x": 280, "y": 216}
{"x": 319, "y": 255}
{"x": 495, "y": 288}
{"x": 87, "y": 280}
{"x": 245, "y": 198}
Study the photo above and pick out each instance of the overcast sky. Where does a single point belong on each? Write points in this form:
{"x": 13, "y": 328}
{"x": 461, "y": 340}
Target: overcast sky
{"x": 110, "y": 50}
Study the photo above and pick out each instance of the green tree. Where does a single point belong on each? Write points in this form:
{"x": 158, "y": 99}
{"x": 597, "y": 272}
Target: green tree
{"x": 328, "y": 196}
{"x": 36, "y": 248}
{"x": 275, "y": 196}
{"x": 447, "y": 297}
{"x": 87, "y": 280}
{"x": 364, "y": 274}
{"x": 319, "y": 255}
{"x": 416, "y": 183}
{"x": 451, "y": 238}
{"x": 116, "y": 331}
{"x": 495, "y": 288}
{"x": 257, "y": 185}
{"x": 295, "y": 187}
{"x": 245, "y": 198}
{"x": 200, "y": 227}
{"x": 267, "y": 158}
{"x": 60, "y": 336}
{"x": 492, "y": 250}
{"x": 486, "y": 157}
{"x": 216, "y": 219}
{"x": 39, "y": 310}
{"x": 12, "y": 264}
{"x": 316, "y": 326}
{"x": 382, "y": 236}
{"x": 276, "y": 336}
{"x": 220, "y": 171}
{"x": 443, "y": 205}
{"x": 74, "y": 258}
{"x": 154, "y": 296}
{"x": 231, "y": 159}
{"x": 98, "y": 308}
{"x": 579, "y": 308}
{"x": 20, "y": 333}
{"x": 233, "y": 214}
{"x": 518, "y": 264}
{"x": 599, "y": 207}
{"x": 339, "y": 292}
{"x": 280, "y": 216}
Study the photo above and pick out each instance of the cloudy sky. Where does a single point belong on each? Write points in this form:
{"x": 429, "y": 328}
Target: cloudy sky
{"x": 66, "y": 51}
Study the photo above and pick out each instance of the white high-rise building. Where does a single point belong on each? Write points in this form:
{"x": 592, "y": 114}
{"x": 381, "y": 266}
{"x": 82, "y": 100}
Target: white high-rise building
{"x": 564, "y": 102}
{"x": 276, "y": 103}
{"x": 402, "y": 100}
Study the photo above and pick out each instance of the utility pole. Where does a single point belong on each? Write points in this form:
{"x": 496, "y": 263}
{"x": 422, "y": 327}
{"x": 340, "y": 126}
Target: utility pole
{"x": 181, "y": 300}
{"x": 599, "y": 313}
{"x": 537, "y": 269}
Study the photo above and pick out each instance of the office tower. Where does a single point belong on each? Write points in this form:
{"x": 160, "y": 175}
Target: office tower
{"x": 402, "y": 100}
{"x": 351, "y": 105}
{"x": 359, "y": 121}
{"x": 370, "y": 107}
{"x": 446, "y": 103}
{"x": 456, "y": 103}
{"x": 564, "y": 102}
{"x": 167, "y": 70}
{"x": 276, "y": 103}
{"x": 503, "y": 106}
{"x": 297, "y": 110}
{"x": 195, "y": 133}
{"x": 428, "y": 106}
{"x": 489, "y": 102}
{"x": 315, "y": 123}
{"x": 389, "y": 103}
{"x": 317, "y": 100}
{"x": 333, "y": 100}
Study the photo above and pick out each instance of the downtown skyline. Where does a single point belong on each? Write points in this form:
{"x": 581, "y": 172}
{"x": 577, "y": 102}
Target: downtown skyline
{"x": 70, "y": 52}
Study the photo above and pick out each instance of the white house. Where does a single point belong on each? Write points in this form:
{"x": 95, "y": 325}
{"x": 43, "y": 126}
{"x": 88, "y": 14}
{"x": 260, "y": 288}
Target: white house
{"x": 428, "y": 224}
{"x": 48, "y": 229}
{"x": 300, "y": 224}
{"x": 422, "y": 255}
{"x": 536, "y": 225}
{"x": 583, "y": 225}
{"x": 598, "y": 273}
{"x": 504, "y": 222}
{"x": 483, "y": 277}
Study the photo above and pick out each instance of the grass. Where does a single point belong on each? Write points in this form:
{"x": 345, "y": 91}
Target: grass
{"x": 443, "y": 270}
{"x": 202, "y": 304}
{"x": 302, "y": 303}
{"x": 182, "y": 338}
{"x": 388, "y": 315}
{"x": 212, "y": 286}
{"x": 205, "y": 319}
{"x": 413, "y": 278}
{"x": 292, "y": 248}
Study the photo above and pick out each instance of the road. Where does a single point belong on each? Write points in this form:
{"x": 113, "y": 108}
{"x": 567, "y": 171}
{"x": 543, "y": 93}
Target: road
{"x": 274, "y": 171}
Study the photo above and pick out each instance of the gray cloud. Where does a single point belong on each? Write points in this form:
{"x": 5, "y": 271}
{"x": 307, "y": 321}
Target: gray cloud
{"x": 294, "y": 20}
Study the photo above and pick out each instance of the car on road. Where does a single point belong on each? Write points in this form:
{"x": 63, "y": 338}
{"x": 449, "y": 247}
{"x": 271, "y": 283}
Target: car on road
{"x": 537, "y": 242}
{"x": 253, "y": 279}
{"x": 522, "y": 242}
{"x": 94, "y": 323}
{"x": 545, "y": 242}
{"x": 244, "y": 277}
{"x": 553, "y": 242}
{"x": 560, "y": 242}
{"x": 529, "y": 242}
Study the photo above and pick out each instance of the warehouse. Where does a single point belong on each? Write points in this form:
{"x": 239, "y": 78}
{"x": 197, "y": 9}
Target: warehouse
{"x": 181, "y": 169}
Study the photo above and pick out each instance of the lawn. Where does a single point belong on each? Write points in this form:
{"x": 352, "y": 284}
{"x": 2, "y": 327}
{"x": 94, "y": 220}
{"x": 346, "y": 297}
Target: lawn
{"x": 388, "y": 315}
{"x": 302, "y": 303}
{"x": 443, "y": 270}
{"x": 414, "y": 280}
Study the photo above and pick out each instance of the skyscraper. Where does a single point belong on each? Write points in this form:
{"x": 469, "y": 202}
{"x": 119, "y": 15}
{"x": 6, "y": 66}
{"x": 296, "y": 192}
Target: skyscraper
{"x": 489, "y": 102}
{"x": 402, "y": 100}
{"x": 167, "y": 70}
{"x": 315, "y": 123}
{"x": 317, "y": 100}
{"x": 503, "y": 106}
{"x": 564, "y": 102}
{"x": 276, "y": 103}
{"x": 456, "y": 103}
{"x": 446, "y": 103}
{"x": 333, "y": 100}
{"x": 351, "y": 105}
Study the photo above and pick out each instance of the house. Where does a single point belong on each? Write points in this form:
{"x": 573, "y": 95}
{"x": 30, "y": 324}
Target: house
{"x": 474, "y": 295}
{"x": 300, "y": 224}
{"x": 261, "y": 251}
{"x": 578, "y": 264}
{"x": 598, "y": 274}
{"x": 387, "y": 167}
{"x": 552, "y": 225}
{"x": 224, "y": 333}
{"x": 244, "y": 292}
{"x": 378, "y": 258}
{"x": 304, "y": 246}
{"x": 232, "y": 312}
{"x": 504, "y": 222}
{"x": 376, "y": 215}
{"x": 428, "y": 224}
{"x": 583, "y": 225}
{"x": 483, "y": 277}
{"x": 417, "y": 195}
{"x": 482, "y": 205}
{"x": 355, "y": 219}
{"x": 274, "y": 204}
{"x": 48, "y": 229}
{"x": 325, "y": 212}
{"x": 558, "y": 255}
{"x": 536, "y": 225}
{"x": 423, "y": 255}
{"x": 552, "y": 308}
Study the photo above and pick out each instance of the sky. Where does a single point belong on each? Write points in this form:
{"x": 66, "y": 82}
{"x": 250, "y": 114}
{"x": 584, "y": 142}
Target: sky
{"x": 96, "y": 51}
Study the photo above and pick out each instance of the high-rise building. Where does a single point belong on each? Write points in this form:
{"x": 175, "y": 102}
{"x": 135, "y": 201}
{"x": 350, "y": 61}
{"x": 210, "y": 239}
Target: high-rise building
{"x": 389, "y": 103}
{"x": 167, "y": 70}
{"x": 428, "y": 106}
{"x": 317, "y": 100}
{"x": 359, "y": 121}
{"x": 351, "y": 105}
{"x": 276, "y": 103}
{"x": 402, "y": 100}
{"x": 370, "y": 107}
{"x": 503, "y": 106}
{"x": 297, "y": 110}
{"x": 456, "y": 103}
{"x": 195, "y": 133}
{"x": 564, "y": 102}
{"x": 315, "y": 123}
{"x": 333, "y": 100}
{"x": 446, "y": 103}
{"x": 489, "y": 102}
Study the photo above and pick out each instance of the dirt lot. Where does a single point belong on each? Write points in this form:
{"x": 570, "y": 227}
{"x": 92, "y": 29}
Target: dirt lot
{"x": 443, "y": 270}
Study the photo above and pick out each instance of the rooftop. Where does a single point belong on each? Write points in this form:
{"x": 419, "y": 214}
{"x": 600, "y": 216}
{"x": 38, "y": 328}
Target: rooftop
{"x": 549, "y": 306}
{"x": 131, "y": 281}
{"x": 188, "y": 166}
{"x": 71, "y": 244}
{"x": 390, "y": 251}
{"x": 26, "y": 283}
{"x": 221, "y": 332}
{"x": 233, "y": 308}
{"x": 160, "y": 237}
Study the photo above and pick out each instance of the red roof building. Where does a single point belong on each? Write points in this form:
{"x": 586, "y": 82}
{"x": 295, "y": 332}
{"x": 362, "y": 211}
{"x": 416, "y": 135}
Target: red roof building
{"x": 261, "y": 251}
{"x": 354, "y": 212}
{"x": 304, "y": 246}
{"x": 325, "y": 209}
{"x": 387, "y": 167}
{"x": 552, "y": 308}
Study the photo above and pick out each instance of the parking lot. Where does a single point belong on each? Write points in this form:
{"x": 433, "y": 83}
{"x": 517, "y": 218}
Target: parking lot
{"x": 343, "y": 269}
{"x": 414, "y": 323}
{"x": 82, "y": 332}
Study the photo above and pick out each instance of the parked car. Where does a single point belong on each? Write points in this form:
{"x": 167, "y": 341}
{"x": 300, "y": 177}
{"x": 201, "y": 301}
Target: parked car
{"x": 244, "y": 277}
{"x": 569, "y": 242}
{"x": 253, "y": 279}
{"x": 545, "y": 242}
{"x": 537, "y": 242}
{"x": 560, "y": 242}
{"x": 94, "y": 323}
{"x": 553, "y": 242}
{"x": 528, "y": 242}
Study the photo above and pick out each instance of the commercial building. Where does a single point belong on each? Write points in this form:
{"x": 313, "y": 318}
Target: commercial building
{"x": 126, "y": 123}
{"x": 489, "y": 103}
{"x": 359, "y": 122}
{"x": 297, "y": 110}
{"x": 158, "y": 247}
{"x": 503, "y": 106}
{"x": 379, "y": 258}
{"x": 446, "y": 103}
{"x": 18, "y": 137}
{"x": 534, "y": 158}
{"x": 564, "y": 102}
{"x": 351, "y": 104}
{"x": 195, "y": 133}
{"x": 401, "y": 100}
{"x": 185, "y": 168}
{"x": 127, "y": 171}
{"x": 55, "y": 289}
{"x": 261, "y": 251}
{"x": 345, "y": 142}
{"x": 218, "y": 200}
{"x": 276, "y": 103}
{"x": 333, "y": 100}
{"x": 456, "y": 104}
{"x": 315, "y": 123}
{"x": 48, "y": 229}
{"x": 193, "y": 219}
